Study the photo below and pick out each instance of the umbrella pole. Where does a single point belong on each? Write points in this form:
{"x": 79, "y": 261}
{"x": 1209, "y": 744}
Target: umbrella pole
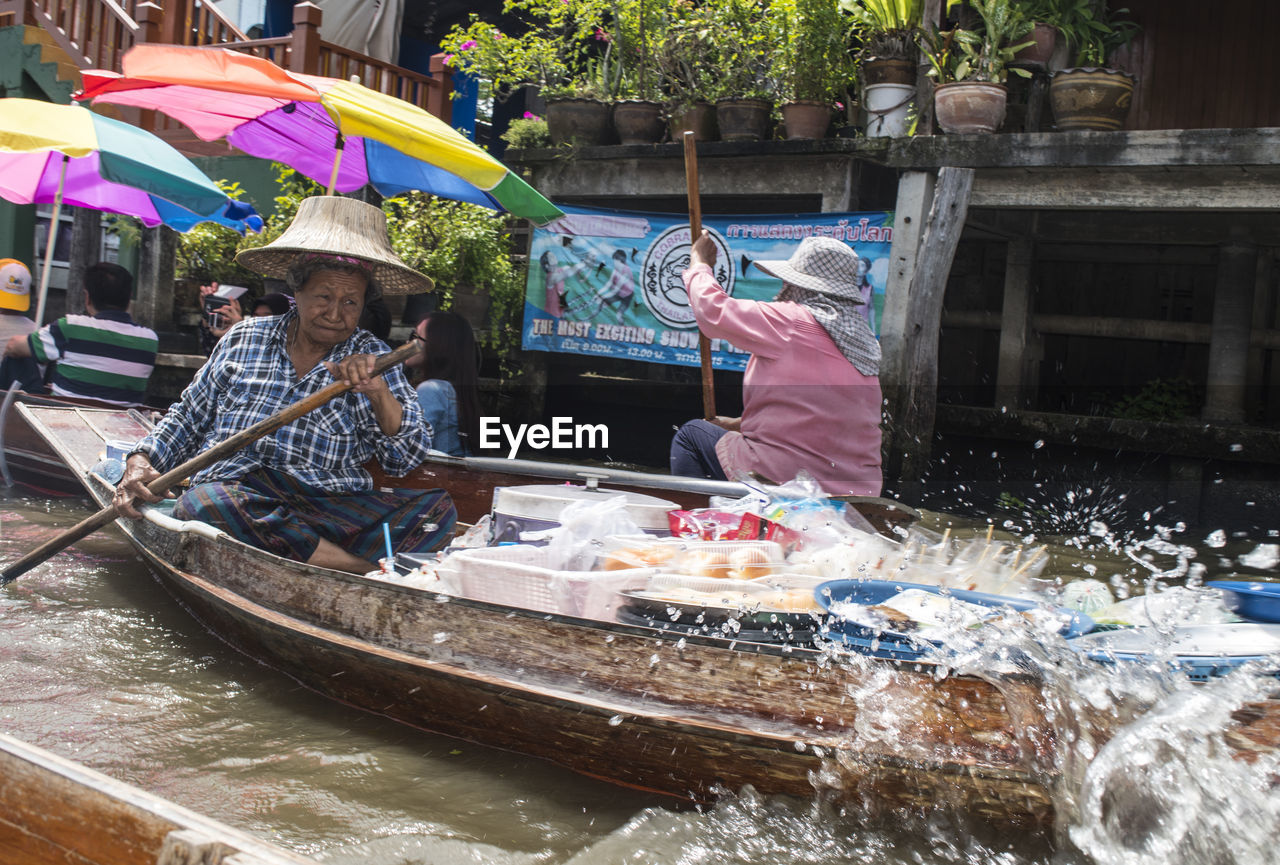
{"x": 48, "y": 246}
{"x": 695, "y": 230}
{"x": 339, "y": 146}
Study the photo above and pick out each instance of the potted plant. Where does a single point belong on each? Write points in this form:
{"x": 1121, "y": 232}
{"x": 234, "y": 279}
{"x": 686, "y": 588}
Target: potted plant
{"x": 637, "y": 111}
{"x": 812, "y": 63}
{"x": 1044, "y": 33}
{"x": 688, "y": 82}
{"x": 887, "y": 30}
{"x": 560, "y": 51}
{"x": 1092, "y": 94}
{"x": 740, "y": 39}
{"x": 971, "y": 66}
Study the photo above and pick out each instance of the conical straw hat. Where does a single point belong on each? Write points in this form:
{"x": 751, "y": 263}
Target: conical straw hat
{"x": 345, "y": 227}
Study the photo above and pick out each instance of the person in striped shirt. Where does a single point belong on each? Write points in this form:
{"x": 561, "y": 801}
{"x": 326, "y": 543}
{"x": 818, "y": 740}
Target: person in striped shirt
{"x": 104, "y": 355}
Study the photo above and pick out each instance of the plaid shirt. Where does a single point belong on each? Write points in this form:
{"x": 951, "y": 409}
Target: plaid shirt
{"x": 249, "y": 377}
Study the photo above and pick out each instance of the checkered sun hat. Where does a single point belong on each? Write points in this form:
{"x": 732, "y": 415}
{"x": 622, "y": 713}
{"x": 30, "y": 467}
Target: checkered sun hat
{"x": 819, "y": 264}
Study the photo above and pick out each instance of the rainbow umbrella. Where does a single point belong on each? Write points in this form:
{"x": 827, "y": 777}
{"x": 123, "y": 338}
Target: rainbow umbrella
{"x": 335, "y": 132}
{"x": 53, "y": 153}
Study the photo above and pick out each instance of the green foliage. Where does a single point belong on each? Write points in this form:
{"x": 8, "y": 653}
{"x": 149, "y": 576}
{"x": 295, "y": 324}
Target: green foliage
{"x": 687, "y": 38}
{"x": 886, "y": 28}
{"x": 811, "y": 60}
{"x": 207, "y": 252}
{"x": 1091, "y": 27}
{"x": 527, "y": 133}
{"x": 741, "y": 42}
{"x": 982, "y": 53}
{"x": 1159, "y": 400}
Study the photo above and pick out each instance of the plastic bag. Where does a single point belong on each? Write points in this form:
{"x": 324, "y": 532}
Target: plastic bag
{"x": 584, "y": 525}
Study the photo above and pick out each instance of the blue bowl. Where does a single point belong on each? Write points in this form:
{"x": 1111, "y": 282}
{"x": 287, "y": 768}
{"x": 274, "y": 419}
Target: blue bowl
{"x": 904, "y": 647}
{"x": 1258, "y": 602}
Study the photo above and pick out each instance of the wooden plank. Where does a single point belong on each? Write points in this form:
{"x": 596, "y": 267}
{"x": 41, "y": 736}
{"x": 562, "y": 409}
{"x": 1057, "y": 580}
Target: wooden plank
{"x": 1014, "y": 383}
{"x": 1239, "y": 188}
{"x": 915, "y": 196}
{"x": 915, "y": 401}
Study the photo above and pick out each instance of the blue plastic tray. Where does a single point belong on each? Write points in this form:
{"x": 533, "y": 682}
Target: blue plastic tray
{"x": 1258, "y": 602}
{"x": 903, "y": 647}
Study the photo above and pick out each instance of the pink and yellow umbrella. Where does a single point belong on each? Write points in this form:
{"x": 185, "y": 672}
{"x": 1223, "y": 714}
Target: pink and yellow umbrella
{"x": 335, "y": 132}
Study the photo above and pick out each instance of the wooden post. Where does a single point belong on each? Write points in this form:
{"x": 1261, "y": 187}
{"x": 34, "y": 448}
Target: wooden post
{"x": 1012, "y": 379}
{"x": 929, "y": 17}
{"x": 150, "y": 18}
{"x": 175, "y": 25}
{"x": 153, "y": 298}
{"x": 440, "y": 95}
{"x": 1230, "y": 334}
{"x": 304, "y": 51}
{"x": 916, "y": 399}
{"x": 915, "y": 196}
{"x": 86, "y": 246}
{"x": 1257, "y": 372}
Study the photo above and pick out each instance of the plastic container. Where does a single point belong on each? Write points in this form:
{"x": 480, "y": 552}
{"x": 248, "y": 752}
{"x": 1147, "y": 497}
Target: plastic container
{"x": 901, "y": 646}
{"x": 1253, "y": 600}
{"x": 518, "y": 576}
{"x": 537, "y": 507}
{"x": 1201, "y": 651}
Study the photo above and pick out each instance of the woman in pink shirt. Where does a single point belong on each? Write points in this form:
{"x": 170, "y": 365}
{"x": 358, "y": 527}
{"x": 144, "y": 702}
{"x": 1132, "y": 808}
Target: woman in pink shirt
{"x": 811, "y": 394}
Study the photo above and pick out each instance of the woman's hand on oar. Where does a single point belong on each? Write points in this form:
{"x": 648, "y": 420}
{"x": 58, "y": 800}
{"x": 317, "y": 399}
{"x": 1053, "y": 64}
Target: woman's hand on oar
{"x": 138, "y": 472}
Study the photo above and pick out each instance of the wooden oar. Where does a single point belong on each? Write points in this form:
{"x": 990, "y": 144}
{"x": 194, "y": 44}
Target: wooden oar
{"x": 221, "y": 450}
{"x": 695, "y": 230}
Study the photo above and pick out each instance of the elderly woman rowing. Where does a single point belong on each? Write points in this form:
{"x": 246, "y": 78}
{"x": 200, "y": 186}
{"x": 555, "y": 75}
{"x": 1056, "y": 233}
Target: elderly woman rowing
{"x": 302, "y": 492}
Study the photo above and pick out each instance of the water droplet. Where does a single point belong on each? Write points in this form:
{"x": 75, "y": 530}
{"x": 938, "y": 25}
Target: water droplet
{"x": 653, "y": 660}
{"x": 1235, "y": 449}
{"x": 428, "y": 528}
{"x": 681, "y": 643}
{"x": 439, "y": 637}
{"x": 1216, "y": 539}
{"x": 615, "y": 720}
{"x": 1039, "y": 444}
{"x": 608, "y": 638}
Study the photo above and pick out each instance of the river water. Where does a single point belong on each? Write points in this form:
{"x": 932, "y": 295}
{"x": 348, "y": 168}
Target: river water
{"x": 99, "y": 664}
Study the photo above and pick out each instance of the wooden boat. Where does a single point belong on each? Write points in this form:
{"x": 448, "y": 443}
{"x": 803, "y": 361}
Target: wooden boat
{"x": 682, "y": 715}
{"x": 57, "y": 811}
{"x": 28, "y": 460}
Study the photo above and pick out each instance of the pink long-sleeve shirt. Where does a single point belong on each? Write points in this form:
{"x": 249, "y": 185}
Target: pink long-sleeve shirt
{"x": 804, "y": 405}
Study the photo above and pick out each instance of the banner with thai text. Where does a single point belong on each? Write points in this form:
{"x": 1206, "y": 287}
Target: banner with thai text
{"x": 607, "y": 282}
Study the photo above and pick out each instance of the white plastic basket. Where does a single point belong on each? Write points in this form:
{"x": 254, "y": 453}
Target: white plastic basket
{"x": 518, "y": 576}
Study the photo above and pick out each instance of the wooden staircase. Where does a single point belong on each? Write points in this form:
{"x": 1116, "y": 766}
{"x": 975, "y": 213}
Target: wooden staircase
{"x": 30, "y": 53}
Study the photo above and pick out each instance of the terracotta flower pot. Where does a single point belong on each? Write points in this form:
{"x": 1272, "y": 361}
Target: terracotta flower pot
{"x": 1089, "y": 98}
{"x": 1043, "y": 38}
{"x": 638, "y": 121}
{"x": 806, "y": 119}
{"x": 584, "y": 122}
{"x": 970, "y": 106}
{"x": 699, "y": 118}
{"x": 742, "y": 119}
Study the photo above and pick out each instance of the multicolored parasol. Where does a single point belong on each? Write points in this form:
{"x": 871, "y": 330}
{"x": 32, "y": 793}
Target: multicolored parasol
{"x": 335, "y": 132}
{"x": 52, "y": 153}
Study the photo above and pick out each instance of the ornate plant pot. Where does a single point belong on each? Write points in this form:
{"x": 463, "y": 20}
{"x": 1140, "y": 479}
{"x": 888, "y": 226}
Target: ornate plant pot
{"x": 742, "y": 119}
{"x": 699, "y": 118}
{"x": 579, "y": 121}
{"x": 806, "y": 119}
{"x": 970, "y": 106}
{"x": 1090, "y": 98}
{"x": 638, "y": 121}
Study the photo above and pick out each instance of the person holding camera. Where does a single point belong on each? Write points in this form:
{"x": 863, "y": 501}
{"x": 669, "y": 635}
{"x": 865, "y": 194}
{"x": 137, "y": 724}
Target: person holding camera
{"x": 104, "y": 355}
{"x": 221, "y": 309}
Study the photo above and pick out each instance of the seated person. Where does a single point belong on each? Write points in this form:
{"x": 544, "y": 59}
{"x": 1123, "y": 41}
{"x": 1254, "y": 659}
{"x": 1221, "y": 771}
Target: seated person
{"x": 449, "y": 391}
{"x": 220, "y": 309}
{"x": 105, "y": 355}
{"x": 302, "y": 492}
{"x": 811, "y": 393}
{"x": 15, "y": 299}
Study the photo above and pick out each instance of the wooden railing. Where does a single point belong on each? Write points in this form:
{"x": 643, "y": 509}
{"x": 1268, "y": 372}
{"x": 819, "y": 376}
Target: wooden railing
{"x": 96, "y": 33}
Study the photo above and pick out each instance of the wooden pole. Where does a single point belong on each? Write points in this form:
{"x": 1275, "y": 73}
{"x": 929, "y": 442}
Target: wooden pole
{"x": 221, "y": 450}
{"x": 52, "y": 238}
{"x": 695, "y": 231}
